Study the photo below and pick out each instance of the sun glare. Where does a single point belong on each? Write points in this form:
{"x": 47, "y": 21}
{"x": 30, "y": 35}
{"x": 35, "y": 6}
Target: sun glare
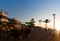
{"x": 57, "y": 26}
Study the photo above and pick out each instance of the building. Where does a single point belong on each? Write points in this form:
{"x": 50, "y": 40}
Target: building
{"x": 17, "y": 24}
{"x": 12, "y": 22}
{"x": 3, "y": 16}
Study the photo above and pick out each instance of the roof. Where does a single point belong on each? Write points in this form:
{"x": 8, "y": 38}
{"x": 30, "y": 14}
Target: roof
{"x": 3, "y": 11}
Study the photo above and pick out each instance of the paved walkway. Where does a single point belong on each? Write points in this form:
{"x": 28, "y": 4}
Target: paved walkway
{"x": 38, "y": 35}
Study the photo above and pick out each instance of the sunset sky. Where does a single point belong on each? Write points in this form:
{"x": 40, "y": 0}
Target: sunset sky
{"x": 24, "y": 10}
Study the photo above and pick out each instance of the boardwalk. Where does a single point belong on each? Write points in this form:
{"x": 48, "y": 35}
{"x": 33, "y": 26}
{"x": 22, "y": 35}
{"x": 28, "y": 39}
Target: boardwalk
{"x": 38, "y": 35}
{"x": 43, "y": 35}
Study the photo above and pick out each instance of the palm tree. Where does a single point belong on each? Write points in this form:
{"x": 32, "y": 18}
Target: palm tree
{"x": 31, "y": 23}
{"x": 40, "y": 22}
{"x": 32, "y": 20}
{"x": 27, "y": 23}
{"x": 46, "y": 21}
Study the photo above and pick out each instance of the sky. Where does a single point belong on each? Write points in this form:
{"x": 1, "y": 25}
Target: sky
{"x": 24, "y": 10}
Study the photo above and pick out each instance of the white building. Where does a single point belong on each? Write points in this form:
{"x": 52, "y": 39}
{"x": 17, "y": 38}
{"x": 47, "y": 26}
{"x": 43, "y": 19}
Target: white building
{"x": 3, "y": 16}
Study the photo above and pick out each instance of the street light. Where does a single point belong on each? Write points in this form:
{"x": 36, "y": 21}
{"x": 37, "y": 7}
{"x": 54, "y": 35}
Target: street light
{"x": 54, "y": 21}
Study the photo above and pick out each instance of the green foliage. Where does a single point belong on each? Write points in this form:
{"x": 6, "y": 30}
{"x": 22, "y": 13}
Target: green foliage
{"x": 47, "y": 21}
{"x": 31, "y": 22}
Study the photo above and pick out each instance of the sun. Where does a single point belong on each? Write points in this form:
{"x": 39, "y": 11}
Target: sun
{"x": 57, "y": 26}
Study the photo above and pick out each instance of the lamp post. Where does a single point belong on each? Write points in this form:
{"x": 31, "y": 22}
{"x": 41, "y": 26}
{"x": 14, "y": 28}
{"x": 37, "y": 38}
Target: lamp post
{"x": 54, "y": 21}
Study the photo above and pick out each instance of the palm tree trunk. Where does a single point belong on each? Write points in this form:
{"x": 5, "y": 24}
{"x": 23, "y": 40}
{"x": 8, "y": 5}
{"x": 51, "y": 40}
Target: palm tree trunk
{"x": 40, "y": 24}
{"x": 46, "y": 25}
